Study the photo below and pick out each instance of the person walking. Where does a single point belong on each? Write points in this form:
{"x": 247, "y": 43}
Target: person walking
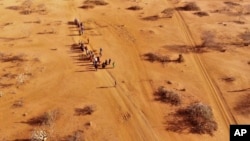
{"x": 113, "y": 64}
{"x": 109, "y": 61}
{"x": 115, "y": 84}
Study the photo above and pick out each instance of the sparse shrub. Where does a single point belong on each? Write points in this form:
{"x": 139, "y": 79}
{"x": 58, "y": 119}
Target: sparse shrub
{"x": 39, "y": 135}
{"x": 134, "y": 8}
{"x": 153, "y": 57}
{"x": 12, "y": 58}
{"x": 18, "y": 104}
{"x": 87, "y": 110}
{"x": 243, "y": 105}
{"x": 87, "y": 6}
{"x": 167, "y": 13}
{"x": 245, "y": 37}
{"x": 96, "y": 2}
{"x": 229, "y": 3}
{"x": 48, "y": 118}
{"x": 167, "y": 96}
{"x": 77, "y": 136}
{"x": 228, "y": 79}
{"x": 196, "y": 118}
{"x": 201, "y": 13}
{"x": 190, "y": 6}
{"x": 151, "y": 18}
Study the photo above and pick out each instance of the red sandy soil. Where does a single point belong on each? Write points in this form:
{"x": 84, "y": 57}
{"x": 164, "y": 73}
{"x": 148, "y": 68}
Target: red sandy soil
{"x": 56, "y": 78}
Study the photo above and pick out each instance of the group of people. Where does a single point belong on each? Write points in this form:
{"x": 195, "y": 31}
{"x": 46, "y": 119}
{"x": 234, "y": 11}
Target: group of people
{"x": 90, "y": 54}
{"x": 80, "y": 26}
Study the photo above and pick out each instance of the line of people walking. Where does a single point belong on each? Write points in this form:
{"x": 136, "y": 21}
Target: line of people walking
{"x": 92, "y": 57}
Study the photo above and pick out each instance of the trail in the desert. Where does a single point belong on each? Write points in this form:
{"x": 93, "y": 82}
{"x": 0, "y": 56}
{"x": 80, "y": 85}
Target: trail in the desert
{"x": 59, "y": 79}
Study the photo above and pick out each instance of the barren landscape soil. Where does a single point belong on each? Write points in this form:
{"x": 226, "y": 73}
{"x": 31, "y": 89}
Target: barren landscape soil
{"x": 46, "y": 80}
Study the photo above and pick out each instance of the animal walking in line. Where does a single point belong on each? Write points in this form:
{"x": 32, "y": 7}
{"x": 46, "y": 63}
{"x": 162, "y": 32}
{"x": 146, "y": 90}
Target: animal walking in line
{"x": 113, "y": 64}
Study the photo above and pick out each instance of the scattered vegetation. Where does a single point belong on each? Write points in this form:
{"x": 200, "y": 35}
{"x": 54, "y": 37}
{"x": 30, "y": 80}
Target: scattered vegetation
{"x": 95, "y": 2}
{"x": 195, "y": 118}
{"x": 18, "y": 104}
{"x": 12, "y": 58}
{"x": 167, "y": 96}
{"x": 76, "y": 136}
{"x": 151, "y": 18}
{"x": 48, "y": 118}
{"x": 228, "y": 79}
{"x": 245, "y": 37}
{"x": 39, "y": 135}
{"x": 28, "y": 7}
{"x": 167, "y": 13}
{"x": 87, "y": 110}
{"x": 87, "y": 6}
{"x": 151, "y": 57}
{"x": 134, "y": 8}
{"x": 190, "y": 6}
{"x": 229, "y": 3}
{"x": 243, "y": 105}
{"x": 201, "y": 13}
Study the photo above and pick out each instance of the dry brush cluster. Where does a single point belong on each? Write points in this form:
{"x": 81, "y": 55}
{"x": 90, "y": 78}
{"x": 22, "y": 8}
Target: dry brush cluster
{"x": 167, "y": 96}
{"x": 153, "y": 57}
{"x": 27, "y": 7}
{"x": 194, "y": 118}
{"x": 89, "y": 4}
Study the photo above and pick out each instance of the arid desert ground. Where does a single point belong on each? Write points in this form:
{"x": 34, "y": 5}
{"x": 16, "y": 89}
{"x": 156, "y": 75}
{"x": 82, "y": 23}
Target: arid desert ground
{"x": 168, "y": 56}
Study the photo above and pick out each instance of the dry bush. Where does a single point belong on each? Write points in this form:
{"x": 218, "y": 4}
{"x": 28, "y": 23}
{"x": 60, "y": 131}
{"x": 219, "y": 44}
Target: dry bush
{"x": 39, "y": 135}
{"x": 76, "y": 136}
{"x": 195, "y": 118}
{"x": 151, "y": 18}
{"x": 87, "y": 110}
{"x": 201, "y": 14}
{"x": 245, "y": 37}
{"x": 17, "y": 104}
{"x": 229, "y": 3}
{"x": 134, "y": 8}
{"x": 190, "y": 6}
{"x": 167, "y": 96}
{"x": 243, "y": 105}
{"x": 167, "y": 13}
{"x": 12, "y": 58}
{"x": 87, "y": 6}
{"x": 208, "y": 42}
{"x": 48, "y": 118}
{"x": 228, "y": 79}
{"x": 153, "y": 57}
{"x": 248, "y": 62}
{"x": 96, "y": 2}
{"x": 208, "y": 39}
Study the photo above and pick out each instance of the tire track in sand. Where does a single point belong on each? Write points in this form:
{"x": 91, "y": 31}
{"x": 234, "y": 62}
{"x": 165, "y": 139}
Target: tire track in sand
{"x": 211, "y": 86}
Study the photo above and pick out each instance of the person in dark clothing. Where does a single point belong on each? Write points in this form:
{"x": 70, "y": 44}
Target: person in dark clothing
{"x": 109, "y": 61}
